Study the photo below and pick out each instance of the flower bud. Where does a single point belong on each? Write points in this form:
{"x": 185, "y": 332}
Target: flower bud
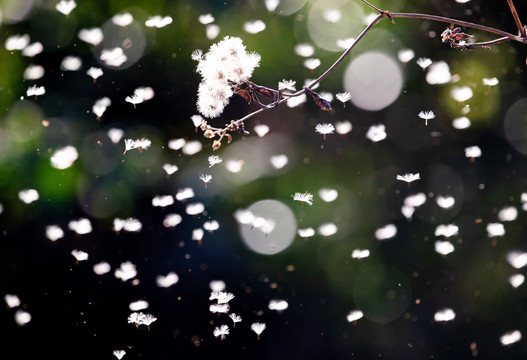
{"x": 216, "y": 145}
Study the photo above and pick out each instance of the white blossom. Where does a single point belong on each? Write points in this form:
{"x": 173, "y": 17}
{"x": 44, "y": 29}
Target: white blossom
{"x": 409, "y": 177}
{"x": 426, "y": 115}
{"x": 221, "y": 331}
{"x": 324, "y": 129}
{"x": 303, "y": 197}
{"x": 258, "y": 328}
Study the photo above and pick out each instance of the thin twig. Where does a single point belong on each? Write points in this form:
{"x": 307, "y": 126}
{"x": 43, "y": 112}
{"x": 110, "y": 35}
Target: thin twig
{"x": 505, "y": 36}
{"x": 460, "y": 23}
{"x": 516, "y": 18}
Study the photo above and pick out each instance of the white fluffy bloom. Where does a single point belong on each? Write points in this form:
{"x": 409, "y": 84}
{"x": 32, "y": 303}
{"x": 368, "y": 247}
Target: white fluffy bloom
{"x": 258, "y": 328}
{"x": 221, "y": 331}
{"x": 225, "y": 65}
{"x": 303, "y": 197}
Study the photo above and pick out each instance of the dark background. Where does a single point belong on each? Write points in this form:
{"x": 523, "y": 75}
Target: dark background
{"x": 78, "y": 314}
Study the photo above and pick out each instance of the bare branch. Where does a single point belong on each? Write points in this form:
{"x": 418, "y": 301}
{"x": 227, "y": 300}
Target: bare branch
{"x": 516, "y": 18}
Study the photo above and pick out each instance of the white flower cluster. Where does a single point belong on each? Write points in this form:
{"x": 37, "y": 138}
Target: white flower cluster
{"x": 224, "y": 66}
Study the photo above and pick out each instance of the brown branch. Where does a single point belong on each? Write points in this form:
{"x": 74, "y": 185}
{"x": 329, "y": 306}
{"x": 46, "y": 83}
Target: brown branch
{"x": 504, "y": 36}
{"x": 516, "y": 18}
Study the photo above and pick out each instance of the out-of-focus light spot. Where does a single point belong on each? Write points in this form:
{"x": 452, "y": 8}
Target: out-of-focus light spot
{"x": 374, "y": 81}
{"x": 261, "y": 130}
{"x": 407, "y": 211}
{"x": 443, "y": 247}
{"x": 415, "y": 200}
{"x": 511, "y": 337}
{"x": 376, "y": 133}
{"x": 514, "y": 125}
{"x": 328, "y": 195}
{"x": 11, "y": 300}
{"x": 172, "y": 220}
{"x": 354, "y": 315}
{"x": 170, "y": 168}
{"x": 126, "y": 271}
{"x": 312, "y": 63}
{"x": 508, "y": 213}
{"x": 212, "y": 31}
{"x": 461, "y": 123}
{"x": 122, "y": 19}
{"x": 516, "y": 280}
{"x": 517, "y": 259}
{"x": 64, "y": 157}
{"x": 197, "y": 234}
{"x": 185, "y": 193}
{"x": 71, "y": 63}
{"x": 93, "y": 36}
{"x": 81, "y": 226}
{"x": 192, "y": 147}
{"x": 386, "y": 232}
{"x": 138, "y": 305}
{"x": 490, "y": 81}
{"x": 332, "y": 15}
{"x": 438, "y": 73}
{"x": 445, "y": 202}
{"x": 33, "y": 72}
{"x": 66, "y": 6}
{"x": 278, "y": 305}
{"x": 279, "y": 161}
{"x": 296, "y": 100}
{"x": 163, "y": 200}
{"x": 307, "y": 232}
{"x": 28, "y": 195}
{"x": 288, "y": 7}
{"x": 33, "y": 49}
{"x": 168, "y": 280}
{"x": 343, "y": 127}
{"x": 462, "y": 93}
{"x": 283, "y": 232}
{"x": 234, "y": 166}
{"x": 17, "y": 42}
{"x": 22, "y": 317}
{"x": 158, "y": 21}
{"x": 195, "y": 209}
{"x": 101, "y": 268}
{"x": 445, "y": 315}
{"x": 130, "y": 224}
{"x": 13, "y": 11}
{"x": 271, "y": 5}
{"x": 495, "y": 229}
{"x": 217, "y": 285}
{"x": 304, "y": 50}
{"x": 327, "y": 229}
{"x": 206, "y": 19}
{"x": 405, "y": 55}
{"x": 360, "y": 253}
{"x": 326, "y": 24}
{"x": 254, "y": 27}
{"x": 79, "y": 255}
{"x": 176, "y": 144}
{"x": 345, "y": 43}
{"x": 54, "y": 232}
{"x": 446, "y": 230}
{"x": 211, "y": 225}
